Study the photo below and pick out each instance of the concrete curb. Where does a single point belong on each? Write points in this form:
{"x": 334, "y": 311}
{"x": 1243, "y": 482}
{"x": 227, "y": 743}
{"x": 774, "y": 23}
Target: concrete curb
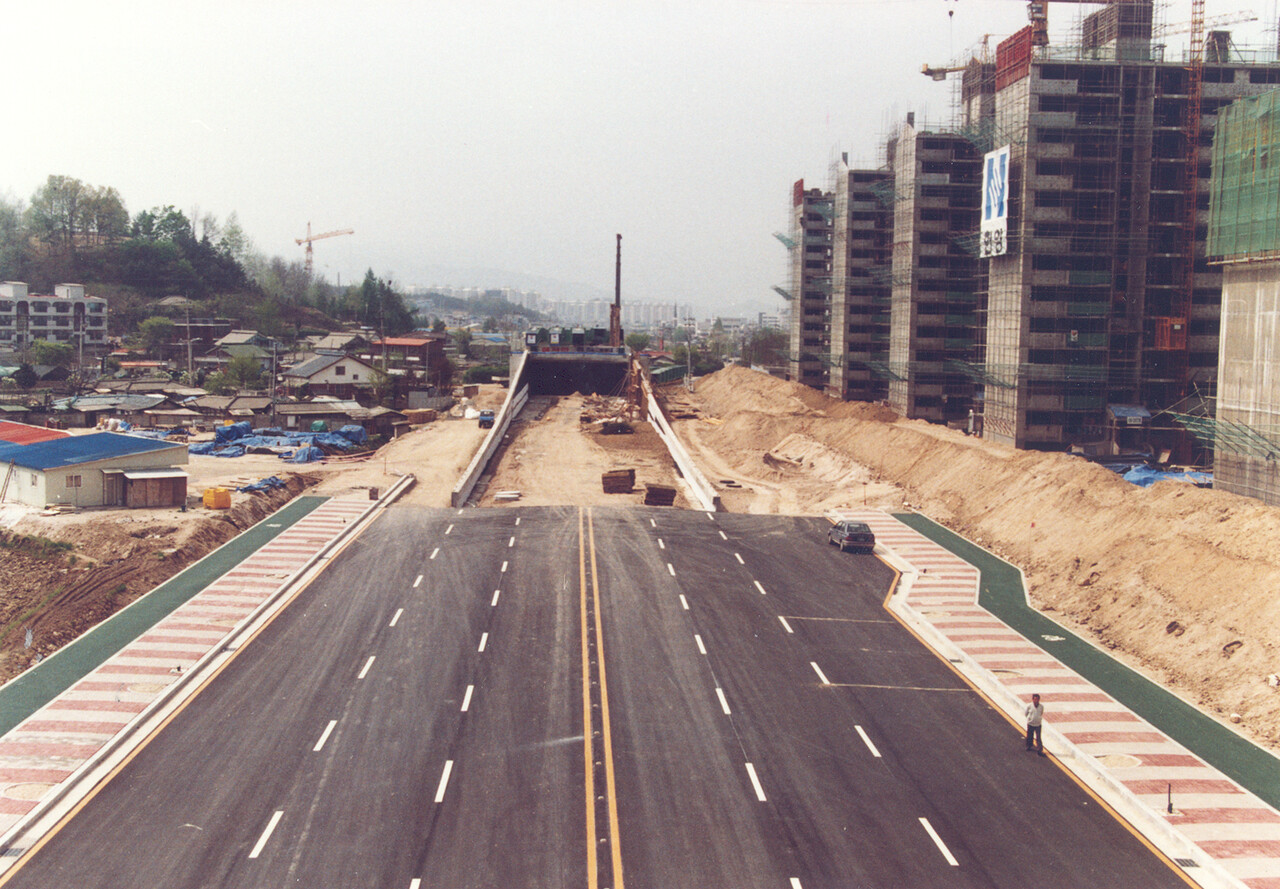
{"x": 93, "y": 770}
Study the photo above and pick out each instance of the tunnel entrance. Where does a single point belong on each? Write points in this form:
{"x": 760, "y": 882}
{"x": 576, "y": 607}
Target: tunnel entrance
{"x": 552, "y": 374}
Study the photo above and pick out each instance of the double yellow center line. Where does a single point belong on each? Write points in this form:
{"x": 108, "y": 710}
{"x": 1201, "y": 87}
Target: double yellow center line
{"x": 597, "y": 742}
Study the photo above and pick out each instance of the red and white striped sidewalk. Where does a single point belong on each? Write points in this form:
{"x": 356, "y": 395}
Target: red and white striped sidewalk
{"x": 43, "y": 751}
{"x": 1216, "y": 824}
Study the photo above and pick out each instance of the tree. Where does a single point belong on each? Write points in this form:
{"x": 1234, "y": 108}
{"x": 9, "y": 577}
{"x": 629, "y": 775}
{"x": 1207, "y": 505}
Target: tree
{"x": 218, "y": 383}
{"x": 245, "y": 372}
{"x": 25, "y": 376}
{"x": 155, "y": 331}
{"x": 233, "y": 241}
{"x": 384, "y": 387}
{"x": 56, "y": 354}
{"x": 462, "y": 338}
{"x": 638, "y": 341}
{"x": 54, "y": 215}
{"x": 765, "y": 347}
{"x": 490, "y": 325}
{"x": 12, "y": 238}
{"x": 102, "y": 216}
{"x": 163, "y": 224}
{"x": 438, "y": 326}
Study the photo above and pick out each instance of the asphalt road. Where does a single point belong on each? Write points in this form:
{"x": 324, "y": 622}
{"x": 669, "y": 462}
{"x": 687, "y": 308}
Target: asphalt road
{"x": 551, "y": 697}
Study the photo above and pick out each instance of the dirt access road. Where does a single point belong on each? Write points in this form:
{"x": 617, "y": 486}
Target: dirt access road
{"x": 553, "y": 459}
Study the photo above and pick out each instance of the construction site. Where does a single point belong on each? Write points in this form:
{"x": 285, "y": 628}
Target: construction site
{"x": 1076, "y": 306}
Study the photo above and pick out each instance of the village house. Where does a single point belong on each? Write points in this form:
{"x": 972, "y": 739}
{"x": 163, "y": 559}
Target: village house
{"x": 341, "y": 376}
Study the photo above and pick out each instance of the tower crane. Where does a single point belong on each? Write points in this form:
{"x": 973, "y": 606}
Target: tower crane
{"x": 310, "y": 237}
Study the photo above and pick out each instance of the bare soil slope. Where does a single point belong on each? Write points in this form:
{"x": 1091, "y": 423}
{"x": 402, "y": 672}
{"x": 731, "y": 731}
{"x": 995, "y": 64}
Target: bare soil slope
{"x": 1179, "y": 581}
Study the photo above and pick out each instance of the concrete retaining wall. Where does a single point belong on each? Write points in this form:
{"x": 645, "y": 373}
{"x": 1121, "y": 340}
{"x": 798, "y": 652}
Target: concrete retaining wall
{"x": 516, "y": 399}
{"x": 706, "y": 496}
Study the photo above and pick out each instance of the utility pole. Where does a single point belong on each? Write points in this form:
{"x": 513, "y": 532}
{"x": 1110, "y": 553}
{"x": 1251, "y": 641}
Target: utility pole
{"x": 273, "y": 381}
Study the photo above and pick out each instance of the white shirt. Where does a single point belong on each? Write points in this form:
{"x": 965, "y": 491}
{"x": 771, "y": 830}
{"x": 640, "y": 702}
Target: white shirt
{"x": 1035, "y": 713}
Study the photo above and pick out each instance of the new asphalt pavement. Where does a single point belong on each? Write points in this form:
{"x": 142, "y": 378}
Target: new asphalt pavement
{"x": 602, "y": 698}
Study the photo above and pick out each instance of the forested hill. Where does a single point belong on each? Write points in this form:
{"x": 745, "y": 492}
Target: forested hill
{"x": 71, "y": 231}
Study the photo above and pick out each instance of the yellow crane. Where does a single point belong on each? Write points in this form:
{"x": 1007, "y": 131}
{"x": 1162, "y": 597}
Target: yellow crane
{"x": 310, "y": 237}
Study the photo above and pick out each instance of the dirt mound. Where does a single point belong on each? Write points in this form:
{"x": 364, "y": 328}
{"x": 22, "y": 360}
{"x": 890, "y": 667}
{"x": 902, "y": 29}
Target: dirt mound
{"x": 101, "y": 568}
{"x": 1177, "y": 580}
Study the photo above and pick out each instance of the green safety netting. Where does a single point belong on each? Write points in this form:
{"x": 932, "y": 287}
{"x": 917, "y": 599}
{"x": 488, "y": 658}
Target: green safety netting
{"x": 1244, "y": 218}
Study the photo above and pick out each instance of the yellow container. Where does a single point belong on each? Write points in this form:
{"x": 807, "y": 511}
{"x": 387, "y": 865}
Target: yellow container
{"x": 217, "y": 498}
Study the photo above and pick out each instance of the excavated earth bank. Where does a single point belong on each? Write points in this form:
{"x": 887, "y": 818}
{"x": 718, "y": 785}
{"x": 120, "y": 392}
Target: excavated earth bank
{"x": 1177, "y": 581}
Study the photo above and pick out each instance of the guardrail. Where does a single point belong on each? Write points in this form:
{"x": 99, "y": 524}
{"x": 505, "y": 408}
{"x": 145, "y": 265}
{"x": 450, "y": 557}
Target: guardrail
{"x": 706, "y": 496}
{"x": 510, "y": 408}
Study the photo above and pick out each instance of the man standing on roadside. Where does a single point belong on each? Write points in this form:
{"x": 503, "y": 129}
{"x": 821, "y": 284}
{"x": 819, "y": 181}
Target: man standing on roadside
{"x": 1035, "y": 716}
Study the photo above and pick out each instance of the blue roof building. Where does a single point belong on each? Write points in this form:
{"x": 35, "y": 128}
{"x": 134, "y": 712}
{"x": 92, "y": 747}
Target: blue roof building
{"x": 99, "y": 469}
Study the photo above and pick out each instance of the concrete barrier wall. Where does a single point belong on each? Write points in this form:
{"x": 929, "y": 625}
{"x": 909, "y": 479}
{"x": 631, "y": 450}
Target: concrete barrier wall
{"x": 516, "y": 399}
{"x": 706, "y": 496}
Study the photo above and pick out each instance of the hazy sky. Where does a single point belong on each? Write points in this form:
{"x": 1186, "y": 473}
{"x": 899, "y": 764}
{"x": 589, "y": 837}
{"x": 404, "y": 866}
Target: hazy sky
{"x": 482, "y": 134}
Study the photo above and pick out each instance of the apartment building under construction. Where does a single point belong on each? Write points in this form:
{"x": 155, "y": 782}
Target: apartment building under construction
{"x": 809, "y": 251}
{"x": 1098, "y": 310}
{"x": 861, "y": 286}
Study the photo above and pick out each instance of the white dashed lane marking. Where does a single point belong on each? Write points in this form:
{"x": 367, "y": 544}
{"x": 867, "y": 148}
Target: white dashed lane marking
{"x": 937, "y": 840}
{"x": 324, "y": 736}
{"x": 444, "y": 780}
{"x": 866, "y": 740}
{"x": 755, "y": 782}
{"x": 266, "y": 834}
{"x": 818, "y": 670}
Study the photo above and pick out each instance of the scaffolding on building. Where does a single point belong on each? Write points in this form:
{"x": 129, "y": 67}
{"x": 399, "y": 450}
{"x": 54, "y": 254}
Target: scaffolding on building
{"x": 1199, "y": 416}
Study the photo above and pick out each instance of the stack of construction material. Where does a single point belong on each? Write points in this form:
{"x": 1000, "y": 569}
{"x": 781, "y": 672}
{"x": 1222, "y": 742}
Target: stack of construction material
{"x": 659, "y": 495}
{"x": 427, "y": 415}
{"x": 618, "y": 481}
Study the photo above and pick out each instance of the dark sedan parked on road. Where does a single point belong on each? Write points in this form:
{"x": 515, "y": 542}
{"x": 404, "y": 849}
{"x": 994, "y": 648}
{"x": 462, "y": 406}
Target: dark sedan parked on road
{"x": 852, "y": 535}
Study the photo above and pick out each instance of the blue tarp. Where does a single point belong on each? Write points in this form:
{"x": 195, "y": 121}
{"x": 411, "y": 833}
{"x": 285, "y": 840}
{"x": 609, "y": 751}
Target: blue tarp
{"x": 1146, "y": 476}
{"x": 262, "y": 485}
{"x": 284, "y": 441}
{"x": 307, "y": 455}
{"x": 354, "y": 434}
{"x": 224, "y": 434}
